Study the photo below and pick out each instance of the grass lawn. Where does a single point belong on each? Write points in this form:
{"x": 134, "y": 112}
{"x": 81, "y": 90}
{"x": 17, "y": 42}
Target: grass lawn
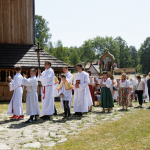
{"x": 132, "y": 131}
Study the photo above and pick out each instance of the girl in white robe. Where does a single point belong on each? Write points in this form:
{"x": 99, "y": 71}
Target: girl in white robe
{"x": 47, "y": 92}
{"x": 80, "y": 99}
{"x": 32, "y": 104}
{"x": 15, "y": 106}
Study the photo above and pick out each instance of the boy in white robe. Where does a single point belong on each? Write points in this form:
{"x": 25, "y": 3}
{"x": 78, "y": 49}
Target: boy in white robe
{"x": 69, "y": 77}
{"x": 47, "y": 92}
{"x": 15, "y": 106}
{"x": 32, "y": 104}
{"x": 56, "y": 84}
{"x": 65, "y": 90}
{"x": 80, "y": 99}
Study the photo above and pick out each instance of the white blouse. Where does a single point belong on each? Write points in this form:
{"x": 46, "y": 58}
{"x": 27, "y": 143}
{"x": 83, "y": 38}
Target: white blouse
{"x": 108, "y": 83}
{"x": 124, "y": 84}
{"x": 139, "y": 85}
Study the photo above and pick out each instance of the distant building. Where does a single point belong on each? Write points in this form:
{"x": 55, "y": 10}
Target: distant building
{"x": 94, "y": 70}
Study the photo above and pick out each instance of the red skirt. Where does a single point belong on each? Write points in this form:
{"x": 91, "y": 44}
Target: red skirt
{"x": 92, "y": 92}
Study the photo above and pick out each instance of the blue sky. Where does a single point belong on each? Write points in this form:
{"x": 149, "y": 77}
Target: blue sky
{"x": 74, "y": 21}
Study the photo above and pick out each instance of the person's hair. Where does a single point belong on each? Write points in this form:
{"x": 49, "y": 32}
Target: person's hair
{"x": 97, "y": 84}
{"x": 63, "y": 76}
{"x": 124, "y": 76}
{"x": 144, "y": 75}
{"x": 65, "y": 67}
{"x": 89, "y": 72}
{"x": 49, "y": 62}
{"x": 139, "y": 77}
{"x": 18, "y": 68}
{"x": 34, "y": 70}
{"x": 105, "y": 72}
{"x": 112, "y": 77}
{"x": 79, "y": 64}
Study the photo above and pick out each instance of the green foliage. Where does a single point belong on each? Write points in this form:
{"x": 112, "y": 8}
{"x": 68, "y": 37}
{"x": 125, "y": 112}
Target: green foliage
{"x": 41, "y": 31}
{"x": 74, "y": 58}
{"x": 143, "y": 55}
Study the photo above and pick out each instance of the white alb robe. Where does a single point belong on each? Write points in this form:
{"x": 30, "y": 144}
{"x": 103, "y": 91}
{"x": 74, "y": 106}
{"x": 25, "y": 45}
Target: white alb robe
{"x": 32, "y": 104}
{"x": 146, "y": 89}
{"x": 15, "y": 106}
{"x": 47, "y": 92}
{"x": 80, "y": 102}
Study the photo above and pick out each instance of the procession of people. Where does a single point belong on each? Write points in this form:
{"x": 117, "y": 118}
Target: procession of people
{"x": 87, "y": 90}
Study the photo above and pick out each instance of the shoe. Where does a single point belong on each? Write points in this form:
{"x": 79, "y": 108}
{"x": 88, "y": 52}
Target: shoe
{"x": 69, "y": 117}
{"x": 29, "y": 121}
{"x": 36, "y": 117}
{"x": 13, "y": 117}
{"x": 19, "y": 117}
{"x": 80, "y": 114}
{"x": 46, "y": 118}
{"x": 76, "y": 113}
{"x": 55, "y": 114}
{"x": 42, "y": 117}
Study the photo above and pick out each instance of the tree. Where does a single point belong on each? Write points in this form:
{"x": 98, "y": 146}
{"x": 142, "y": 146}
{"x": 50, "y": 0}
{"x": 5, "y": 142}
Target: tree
{"x": 42, "y": 31}
{"x": 134, "y": 57}
{"x": 124, "y": 55}
{"x": 74, "y": 58}
{"x": 144, "y": 53}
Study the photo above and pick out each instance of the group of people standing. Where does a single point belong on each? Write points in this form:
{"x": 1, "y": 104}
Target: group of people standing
{"x": 84, "y": 92}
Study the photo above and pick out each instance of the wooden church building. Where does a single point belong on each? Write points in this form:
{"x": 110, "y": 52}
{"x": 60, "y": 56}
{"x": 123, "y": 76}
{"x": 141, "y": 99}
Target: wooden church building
{"x": 17, "y": 43}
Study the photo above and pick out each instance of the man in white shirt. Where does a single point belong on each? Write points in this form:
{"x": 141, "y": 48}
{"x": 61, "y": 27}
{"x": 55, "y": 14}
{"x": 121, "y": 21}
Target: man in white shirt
{"x": 32, "y": 104}
{"x": 47, "y": 97}
{"x": 80, "y": 101}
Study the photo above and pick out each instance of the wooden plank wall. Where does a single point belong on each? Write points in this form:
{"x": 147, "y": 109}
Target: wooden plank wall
{"x": 16, "y": 21}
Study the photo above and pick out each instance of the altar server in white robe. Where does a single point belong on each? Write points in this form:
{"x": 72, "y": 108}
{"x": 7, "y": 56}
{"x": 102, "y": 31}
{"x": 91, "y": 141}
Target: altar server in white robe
{"x": 69, "y": 77}
{"x": 15, "y": 106}
{"x": 65, "y": 91}
{"x": 80, "y": 99}
{"x": 146, "y": 88}
{"x": 56, "y": 94}
{"x": 47, "y": 92}
{"x": 32, "y": 104}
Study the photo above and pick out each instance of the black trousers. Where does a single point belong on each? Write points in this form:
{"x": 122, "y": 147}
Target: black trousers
{"x": 139, "y": 94}
{"x": 66, "y": 108}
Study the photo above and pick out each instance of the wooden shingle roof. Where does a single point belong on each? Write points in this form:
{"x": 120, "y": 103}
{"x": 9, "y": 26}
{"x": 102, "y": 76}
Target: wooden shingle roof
{"x": 25, "y": 56}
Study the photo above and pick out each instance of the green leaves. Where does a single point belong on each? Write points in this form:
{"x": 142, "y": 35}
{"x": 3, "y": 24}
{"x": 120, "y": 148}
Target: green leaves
{"x": 42, "y": 31}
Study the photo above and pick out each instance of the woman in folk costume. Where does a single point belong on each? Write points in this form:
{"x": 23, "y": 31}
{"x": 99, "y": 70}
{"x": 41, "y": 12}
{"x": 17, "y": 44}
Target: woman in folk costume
{"x": 146, "y": 88}
{"x": 106, "y": 96}
{"x": 47, "y": 96}
{"x": 69, "y": 77}
{"x": 32, "y": 103}
{"x": 15, "y": 106}
{"x": 80, "y": 84}
{"x": 65, "y": 90}
{"x": 124, "y": 92}
{"x": 88, "y": 94}
{"x": 56, "y": 84}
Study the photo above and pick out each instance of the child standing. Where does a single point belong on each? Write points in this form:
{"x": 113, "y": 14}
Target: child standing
{"x": 65, "y": 90}
{"x": 98, "y": 91}
{"x": 32, "y": 104}
{"x": 15, "y": 106}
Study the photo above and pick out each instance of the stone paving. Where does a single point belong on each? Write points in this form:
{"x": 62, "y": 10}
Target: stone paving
{"x": 17, "y": 135}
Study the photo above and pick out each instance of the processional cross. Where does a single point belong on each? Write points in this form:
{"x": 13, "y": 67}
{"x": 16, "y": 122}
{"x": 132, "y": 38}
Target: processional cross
{"x": 38, "y": 54}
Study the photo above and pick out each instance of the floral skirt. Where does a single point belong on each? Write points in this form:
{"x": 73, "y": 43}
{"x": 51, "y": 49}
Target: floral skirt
{"x": 124, "y": 99}
{"x": 106, "y": 98}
